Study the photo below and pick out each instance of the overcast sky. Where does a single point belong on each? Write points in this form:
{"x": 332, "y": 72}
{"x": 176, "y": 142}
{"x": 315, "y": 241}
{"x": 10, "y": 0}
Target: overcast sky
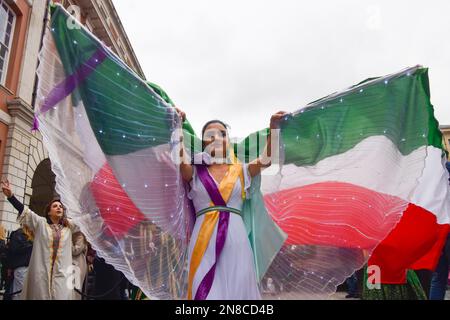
{"x": 241, "y": 61}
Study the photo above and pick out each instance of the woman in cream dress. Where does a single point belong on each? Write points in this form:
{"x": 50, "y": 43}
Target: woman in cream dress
{"x": 50, "y": 273}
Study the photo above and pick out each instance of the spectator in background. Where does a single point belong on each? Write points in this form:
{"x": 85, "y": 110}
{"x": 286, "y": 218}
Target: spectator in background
{"x": 109, "y": 283}
{"x": 19, "y": 253}
{"x": 3, "y": 250}
{"x": 352, "y": 287}
{"x": 439, "y": 279}
{"x": 271, "y": 287}
{"x": 425, "y": 277}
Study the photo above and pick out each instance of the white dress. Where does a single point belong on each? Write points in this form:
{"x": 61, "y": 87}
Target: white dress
{"x": 235, "y": 275}
{"x": 42, "y": 281}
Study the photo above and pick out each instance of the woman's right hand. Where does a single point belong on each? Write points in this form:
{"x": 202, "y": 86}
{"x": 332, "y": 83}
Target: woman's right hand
{"x": 181, "y": 114}
{"x": 6, "y": 188}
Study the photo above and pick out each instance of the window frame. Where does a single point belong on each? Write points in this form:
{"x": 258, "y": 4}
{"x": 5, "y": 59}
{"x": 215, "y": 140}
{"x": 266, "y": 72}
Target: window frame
{"x": 9, "y": 46}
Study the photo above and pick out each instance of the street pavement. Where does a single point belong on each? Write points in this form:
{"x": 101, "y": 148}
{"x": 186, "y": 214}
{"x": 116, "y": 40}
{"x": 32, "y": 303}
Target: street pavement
{"x": 337, "y": 296}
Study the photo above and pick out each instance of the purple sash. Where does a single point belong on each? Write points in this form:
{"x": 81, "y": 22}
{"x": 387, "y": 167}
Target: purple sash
{"x": 69, "y": 84}
{"x": 216, "y": 198}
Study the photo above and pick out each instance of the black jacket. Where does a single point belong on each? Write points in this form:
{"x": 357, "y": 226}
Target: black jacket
{"x": 3, "y": 250}
{"x": 108, "y": 281}
{"x": 19, "y": 250}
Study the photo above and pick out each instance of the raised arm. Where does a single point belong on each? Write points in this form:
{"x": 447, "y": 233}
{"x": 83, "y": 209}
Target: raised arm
{"x": 25, "y": 216}
{"x": 265, "y": 159}
{"x": 6, "y": 188}
{"x": 186, "y": 168}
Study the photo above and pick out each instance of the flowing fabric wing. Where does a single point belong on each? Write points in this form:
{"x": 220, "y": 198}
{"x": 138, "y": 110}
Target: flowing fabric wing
{"x": 109, "y": 137}
{"x": 351, "y": 164}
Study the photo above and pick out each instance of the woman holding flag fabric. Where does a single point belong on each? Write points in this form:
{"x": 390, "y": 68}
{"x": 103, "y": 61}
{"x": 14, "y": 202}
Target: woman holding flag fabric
{"x": 221, "y": 264}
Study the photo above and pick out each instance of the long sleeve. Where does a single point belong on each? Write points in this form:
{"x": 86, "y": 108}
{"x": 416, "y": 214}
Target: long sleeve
{"x": 16, "y": 204}
{"x": 26, "y": 216}
{"x": 31, "y": 219}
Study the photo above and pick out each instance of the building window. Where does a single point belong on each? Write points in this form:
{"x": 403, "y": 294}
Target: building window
{"x": 7, "y": 20}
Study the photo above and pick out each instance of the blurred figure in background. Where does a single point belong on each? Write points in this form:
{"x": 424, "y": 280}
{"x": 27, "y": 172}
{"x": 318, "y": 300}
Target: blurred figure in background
{"x": 110, "y": 284}
{"x": 411, "y": 290}
{"x": 439, "y": 280}
{"x": 79, "y": 251}
{"x": 20, "y": 247}
{"x": 271, "y": 287}
{"x": 352, "y": 287}
{"x": 3, "y": 250}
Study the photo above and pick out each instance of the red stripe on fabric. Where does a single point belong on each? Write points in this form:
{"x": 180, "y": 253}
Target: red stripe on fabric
{"x": 334, "y": 214}
{"x": 415, "y": 243}
{"x": 116, "y": 208}
{"x": 430, "y": 260}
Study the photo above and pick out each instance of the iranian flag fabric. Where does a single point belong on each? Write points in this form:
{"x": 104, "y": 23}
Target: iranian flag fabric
{"x": 369, "y": 156}
{"x": 359, "y": 173}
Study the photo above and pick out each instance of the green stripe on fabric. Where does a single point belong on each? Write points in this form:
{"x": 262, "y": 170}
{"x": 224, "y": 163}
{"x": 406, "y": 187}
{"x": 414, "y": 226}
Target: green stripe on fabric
{"x": 124, "y": 113}
{"x": 399, "y": 109}
{"x": 126, "y": 116}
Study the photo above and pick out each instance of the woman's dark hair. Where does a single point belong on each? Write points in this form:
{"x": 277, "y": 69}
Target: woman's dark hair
{"x": 211, "y": 122}
{"x": 63, "y": 220}
{"x": 77, "y": 234}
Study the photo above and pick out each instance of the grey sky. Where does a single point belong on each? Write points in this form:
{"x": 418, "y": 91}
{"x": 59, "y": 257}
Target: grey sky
{"x": 241, "y": 61}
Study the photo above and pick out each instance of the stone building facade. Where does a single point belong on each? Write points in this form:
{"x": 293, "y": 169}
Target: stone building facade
{"x": 23, "y": 157}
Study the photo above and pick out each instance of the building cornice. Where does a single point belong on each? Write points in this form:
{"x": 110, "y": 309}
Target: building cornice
{"x": 5, "y": 118}
{"x": 100, "y": 28}
{"x": 22, "y": 110}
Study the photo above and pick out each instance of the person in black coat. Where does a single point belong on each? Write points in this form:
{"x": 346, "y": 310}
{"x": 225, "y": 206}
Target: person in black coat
{"x": 20, "y": 247}
{"x": 3, "y": 250}
{"x": 110, "y": 284}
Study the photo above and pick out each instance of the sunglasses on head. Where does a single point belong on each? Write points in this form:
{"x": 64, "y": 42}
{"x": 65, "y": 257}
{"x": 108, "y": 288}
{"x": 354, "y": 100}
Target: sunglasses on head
{"x": 212, "y": 133}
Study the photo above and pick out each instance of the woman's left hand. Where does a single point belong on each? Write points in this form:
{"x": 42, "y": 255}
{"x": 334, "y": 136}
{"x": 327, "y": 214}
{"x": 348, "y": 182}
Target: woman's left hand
{"x": 275, "y": 119}
{"x": 6, "y": 188}
{"x": 181, "y": 114}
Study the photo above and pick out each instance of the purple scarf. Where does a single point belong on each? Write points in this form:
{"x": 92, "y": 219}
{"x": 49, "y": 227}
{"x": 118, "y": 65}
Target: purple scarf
{"x": 216, "y": 198}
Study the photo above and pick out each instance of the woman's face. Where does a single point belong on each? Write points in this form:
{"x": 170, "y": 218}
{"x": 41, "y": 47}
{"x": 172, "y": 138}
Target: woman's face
{"x": 56, "y": 210}
{"x": 215, "y": 140}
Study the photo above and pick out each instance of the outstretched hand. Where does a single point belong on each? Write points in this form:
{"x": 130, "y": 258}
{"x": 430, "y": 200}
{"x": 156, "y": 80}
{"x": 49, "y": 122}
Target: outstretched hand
{"x": 275, "y": 119}
{"x": 6, "y": 188}
{"x": 181, "y": 114}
